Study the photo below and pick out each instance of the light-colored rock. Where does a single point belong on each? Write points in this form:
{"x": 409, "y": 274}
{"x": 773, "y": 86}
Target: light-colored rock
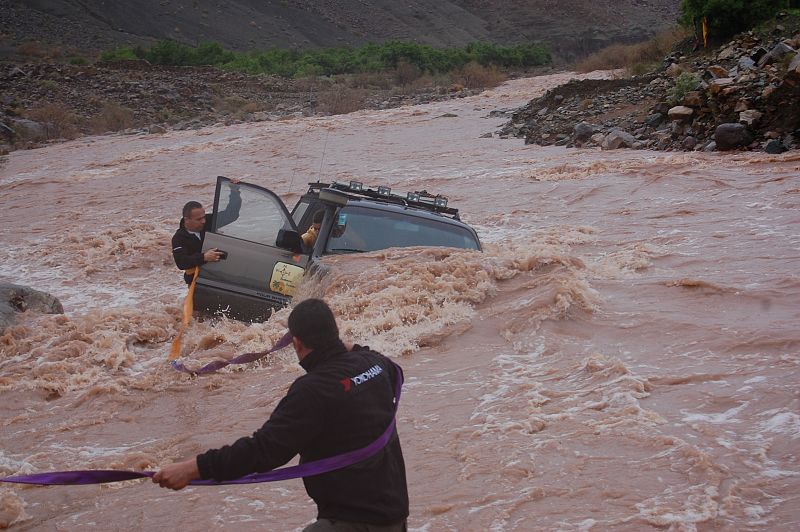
{"x": 618, "y": 139}
{"x": 718, "y": 71}
{"x": 674, "y": 70}
{"x": 717, "y": 85}
{"x": 680, "y": 112}
{"x": 727, "y": 53}
{"x": 749, "y": 117}
{"x": 794, "y": 66}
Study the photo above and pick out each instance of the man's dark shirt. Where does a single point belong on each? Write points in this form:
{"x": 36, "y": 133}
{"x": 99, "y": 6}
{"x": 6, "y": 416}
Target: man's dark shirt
{"x": 187, "y": 249}
{"x": 329, "y": 411}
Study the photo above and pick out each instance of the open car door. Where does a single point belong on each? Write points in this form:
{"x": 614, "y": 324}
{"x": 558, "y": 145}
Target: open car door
{"x": 264, "y": 261}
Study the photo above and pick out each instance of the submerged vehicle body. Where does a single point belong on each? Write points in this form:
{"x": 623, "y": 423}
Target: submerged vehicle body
{"x": 266, "y": 257}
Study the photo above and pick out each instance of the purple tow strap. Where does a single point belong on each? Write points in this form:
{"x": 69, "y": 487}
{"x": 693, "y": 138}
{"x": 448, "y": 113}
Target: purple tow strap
{"x": 246, "y": 358}
{"x": 308, "y": 469}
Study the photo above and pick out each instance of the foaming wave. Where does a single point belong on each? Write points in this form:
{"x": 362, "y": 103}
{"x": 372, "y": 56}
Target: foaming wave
{"x": 627, "y": 262}
{"x": 697, "y": 504}
{"x": 113, "y": 351}
{"x": 704, "y": 287}
{"x": 12, "y": 508}
{"x": 399, "y": 300}
{"x": 97, "y": 269}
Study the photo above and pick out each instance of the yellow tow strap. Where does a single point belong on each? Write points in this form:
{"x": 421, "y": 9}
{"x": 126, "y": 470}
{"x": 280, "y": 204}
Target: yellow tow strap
{"x": 188, "y": 308}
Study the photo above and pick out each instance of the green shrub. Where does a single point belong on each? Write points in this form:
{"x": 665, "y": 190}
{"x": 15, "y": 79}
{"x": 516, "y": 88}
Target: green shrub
{"x": 393, "y": 56}
{"x": 122, "y": 53}
{"x": 684, "y": 83}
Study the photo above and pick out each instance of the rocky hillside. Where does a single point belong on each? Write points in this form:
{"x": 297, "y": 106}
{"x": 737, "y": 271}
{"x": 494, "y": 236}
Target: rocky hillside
{"x": 571, "y": 27}
{"x": 744, "y": 94}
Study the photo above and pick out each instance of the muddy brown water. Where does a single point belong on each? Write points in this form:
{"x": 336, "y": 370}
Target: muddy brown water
{"x": 623, "y": 355}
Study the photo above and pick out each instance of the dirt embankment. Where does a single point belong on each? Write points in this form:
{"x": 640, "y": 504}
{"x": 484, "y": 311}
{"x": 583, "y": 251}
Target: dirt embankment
{"x": 48, "y": 102}
{"x": 744, "y": 94}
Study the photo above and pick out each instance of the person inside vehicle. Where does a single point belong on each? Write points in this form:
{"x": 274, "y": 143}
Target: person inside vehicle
{"x": 344, "y": 402}
{"x": 310, "y": 236}
{"x": 187, "y": 242}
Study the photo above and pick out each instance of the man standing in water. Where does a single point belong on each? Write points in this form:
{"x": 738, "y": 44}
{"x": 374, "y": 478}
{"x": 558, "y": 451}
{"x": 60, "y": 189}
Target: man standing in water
{"x": 344, "y": 402}
{"x": 187, "y": 242}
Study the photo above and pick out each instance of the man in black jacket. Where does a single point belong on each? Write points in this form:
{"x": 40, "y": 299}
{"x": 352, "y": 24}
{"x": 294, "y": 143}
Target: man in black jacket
{"x": 187, "y": 242}
{"x": 345, "y": 402}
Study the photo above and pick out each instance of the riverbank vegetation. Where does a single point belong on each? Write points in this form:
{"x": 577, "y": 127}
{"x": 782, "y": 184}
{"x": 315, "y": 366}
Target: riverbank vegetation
{"x": 370, "y": 58}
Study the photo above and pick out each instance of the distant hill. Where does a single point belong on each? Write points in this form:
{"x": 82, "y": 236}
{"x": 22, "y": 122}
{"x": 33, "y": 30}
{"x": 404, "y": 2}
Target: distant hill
{"x": 572, "y": 28}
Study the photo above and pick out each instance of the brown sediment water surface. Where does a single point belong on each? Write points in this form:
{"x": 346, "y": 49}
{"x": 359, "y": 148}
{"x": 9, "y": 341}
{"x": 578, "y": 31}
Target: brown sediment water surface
{"x": 622, "y": 355}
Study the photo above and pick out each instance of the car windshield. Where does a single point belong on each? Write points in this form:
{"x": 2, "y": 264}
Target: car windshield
{"x": 359, "y": 229}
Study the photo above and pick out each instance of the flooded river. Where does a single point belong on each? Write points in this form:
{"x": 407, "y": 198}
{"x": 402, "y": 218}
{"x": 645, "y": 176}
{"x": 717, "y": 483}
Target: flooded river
{"x": 623, "y": 355}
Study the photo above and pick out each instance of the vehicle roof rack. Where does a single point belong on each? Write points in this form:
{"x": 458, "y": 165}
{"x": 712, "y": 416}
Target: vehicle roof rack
{"x": 421, "y": 199}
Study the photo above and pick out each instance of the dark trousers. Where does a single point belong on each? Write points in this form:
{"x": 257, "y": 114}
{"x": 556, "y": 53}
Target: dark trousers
{"x": 329, "y": 525}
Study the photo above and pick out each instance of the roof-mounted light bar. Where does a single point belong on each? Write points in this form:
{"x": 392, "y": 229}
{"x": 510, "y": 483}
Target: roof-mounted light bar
{"x": 421, "y": 199}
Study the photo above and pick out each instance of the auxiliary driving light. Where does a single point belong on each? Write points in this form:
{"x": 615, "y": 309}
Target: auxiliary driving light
{"x": 356, "y": 186}
{"x": 384, "y": 191}
{"x": 412, "y": 196}
{"x": 440, "y": 201}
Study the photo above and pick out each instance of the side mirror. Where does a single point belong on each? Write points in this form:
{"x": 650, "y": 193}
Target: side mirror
{"x": 288, "y": 239}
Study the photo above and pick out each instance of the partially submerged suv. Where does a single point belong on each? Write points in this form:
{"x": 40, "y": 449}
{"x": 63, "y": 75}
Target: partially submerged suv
{"x": 266, "y": 258}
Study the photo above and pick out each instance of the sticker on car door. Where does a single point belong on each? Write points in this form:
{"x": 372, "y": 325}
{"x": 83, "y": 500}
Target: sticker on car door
{"x": 285, "y": 278}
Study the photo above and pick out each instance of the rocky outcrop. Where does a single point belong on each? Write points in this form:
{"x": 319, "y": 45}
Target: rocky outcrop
{"x": 746, "y": 95}
{"x": 16, "y": 298}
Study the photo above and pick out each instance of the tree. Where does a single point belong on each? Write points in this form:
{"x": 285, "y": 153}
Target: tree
{"x": 728, "y": 17}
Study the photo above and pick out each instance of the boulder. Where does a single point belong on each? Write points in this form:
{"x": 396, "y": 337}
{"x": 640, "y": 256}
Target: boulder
{"x": 794, "y": 66}
{"x": 680, "y": 112}
{"x": 774, "y": 147}
{"x": 618, "y": 139}
{"x": 745, "y": 63}
{"x": 717, "y": 71}
{"x": 583, "y": 131}
{"x": 674, "y": 70}
{"x": 731, "y": 136}
{"x": 597, "y": 138}
{"x": 17, "y": 298}
{"x": 654, "y": 120}
{"x": 749, "y": 117}
{"x": 780, "y": 50}
{"x": 693, "y": 99}
{"x": 689, "y": 143}
{"x": 28, "y": 127}
{"x": 716, "y": 86}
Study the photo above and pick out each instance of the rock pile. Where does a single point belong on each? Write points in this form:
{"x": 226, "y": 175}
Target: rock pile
{"x": 745, "y": 95}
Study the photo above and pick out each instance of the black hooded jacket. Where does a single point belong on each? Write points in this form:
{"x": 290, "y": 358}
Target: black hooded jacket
{"x": 343, "y": 403}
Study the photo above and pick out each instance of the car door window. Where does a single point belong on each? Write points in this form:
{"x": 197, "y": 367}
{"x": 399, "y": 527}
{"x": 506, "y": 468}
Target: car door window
{"x": 261, "y": 213}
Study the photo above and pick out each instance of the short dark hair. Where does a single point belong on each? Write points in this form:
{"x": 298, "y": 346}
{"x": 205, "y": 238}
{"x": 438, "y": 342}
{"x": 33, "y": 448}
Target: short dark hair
{"x": 190, "y": 206}
{"x": 318, "y": 216}
{"x": 312, "y": 321}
